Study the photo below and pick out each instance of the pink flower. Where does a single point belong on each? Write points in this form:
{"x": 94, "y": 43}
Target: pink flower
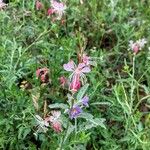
{"x": 75, "y": 84}
{"x": 86, "y": 59}
{"x": 38, "y": 5}
{"x": 57, "y": 126}
{"x": 54, "y": 121}
{"x": 58, "y": 8}
{"x": 63, "y": 81}
{"x": 50, "y": 11}
{"x": 138, "y": 45}
{"x": 81, "y": 68}
{"x": 77, "y": 71}
{"x": 43, "y": 74}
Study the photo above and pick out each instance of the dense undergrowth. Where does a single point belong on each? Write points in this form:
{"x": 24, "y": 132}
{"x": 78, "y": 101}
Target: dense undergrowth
{"x": 118, "y": 85}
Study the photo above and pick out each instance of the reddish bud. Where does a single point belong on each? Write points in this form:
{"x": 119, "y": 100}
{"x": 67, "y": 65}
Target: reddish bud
{"x": 50, "y": 11}
{"x": 136, "y": 49}
{"x": 75, "y": 84}
{"x": 43, "y": 74}
{"x": 39, "y": 5}
{"x": 57, "y": 126}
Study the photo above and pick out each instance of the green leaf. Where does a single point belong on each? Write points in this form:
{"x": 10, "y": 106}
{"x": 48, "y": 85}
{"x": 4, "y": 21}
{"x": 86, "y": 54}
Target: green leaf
{"x": 23, "y": 132}
{"x": 58, "y": 105}
{"x": 26, "y": 132}
{"x": 82, "y": 92}
{"x": 92, "y": 122}
{"x": 101, "y": 103}
{"x": 86, "y": 116}
{"x": 69, "y": 131}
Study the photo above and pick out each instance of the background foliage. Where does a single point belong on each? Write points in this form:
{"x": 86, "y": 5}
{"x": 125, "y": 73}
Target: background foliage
{"x": 29, "y": 40}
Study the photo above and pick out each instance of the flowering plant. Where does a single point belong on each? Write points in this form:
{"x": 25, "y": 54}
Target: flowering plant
{"x": 137, "y": 46}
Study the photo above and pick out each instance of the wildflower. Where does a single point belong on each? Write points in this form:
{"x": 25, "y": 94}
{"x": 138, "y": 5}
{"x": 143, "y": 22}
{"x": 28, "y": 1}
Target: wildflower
{"x": 38, "y": 5}
{"x": 77, "y": 70}
{"x": 42, "y": 124}
{"x": 2, "y": 4}
{"x": 41, "y": 121}
{"x": 138, "y": 45}
{"x": 75, "y": 84}
{"x": 56, "y": 126}
{"x": 63, "y": 81}
{"x": 86, "y": 59}
{"x": 85, "y": 101}
{"x": 58, "y": 8}
{"x": 43, "y": 74}
{"x": 54, "y": 121}
{"x": 55, "y": 115}
{"x": 75, "y": 111}
{"x": 50, "y": 11}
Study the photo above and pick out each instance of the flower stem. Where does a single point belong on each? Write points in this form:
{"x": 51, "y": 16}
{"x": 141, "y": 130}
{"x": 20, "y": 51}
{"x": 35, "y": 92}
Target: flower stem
{"x": 132, "y": 83}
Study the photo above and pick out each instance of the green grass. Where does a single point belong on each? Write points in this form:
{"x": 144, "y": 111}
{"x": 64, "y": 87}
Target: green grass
{"x": 119, "y": 85}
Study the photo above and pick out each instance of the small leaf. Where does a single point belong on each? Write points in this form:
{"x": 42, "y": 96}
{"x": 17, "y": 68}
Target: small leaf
{"x": 92, "y": 122}
{"x": 58, "y": 105}
{"x": 101, "y": 103}
{"x": 86, "y": 116}
{"x": 69, "y": 131}
{"x": 26, "y": 132}
{"x": 82, "y": 92}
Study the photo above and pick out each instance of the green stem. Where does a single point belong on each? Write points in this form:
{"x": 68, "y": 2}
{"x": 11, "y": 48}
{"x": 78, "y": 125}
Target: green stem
{"x": 132, "y": 84}
{"x": 63, "y": 138}
{"x": 42, "y": 34}
{"x": 75, "y": 127}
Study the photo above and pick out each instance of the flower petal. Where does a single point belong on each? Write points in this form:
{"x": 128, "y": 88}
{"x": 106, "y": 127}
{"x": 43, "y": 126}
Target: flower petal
{"x": 86, "y": 70}
{"x": 81, "y": 65}
{"x": 69, "y": 66}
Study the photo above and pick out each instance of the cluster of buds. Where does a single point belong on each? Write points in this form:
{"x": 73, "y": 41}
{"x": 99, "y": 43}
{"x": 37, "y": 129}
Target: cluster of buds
{"x": 42, "y": 74}
{"x": 137, "y": 45}
{"x": 57, "y": 8}
{"x": 77, "y": 79}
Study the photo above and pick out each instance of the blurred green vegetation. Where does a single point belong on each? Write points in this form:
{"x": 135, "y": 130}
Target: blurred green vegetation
{"x": 30, "y": 40}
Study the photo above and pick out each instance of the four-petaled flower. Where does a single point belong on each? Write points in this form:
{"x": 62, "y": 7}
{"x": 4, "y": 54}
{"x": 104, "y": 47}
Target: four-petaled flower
{"x": 75, "y": 111}
{"x": 78, "y": 71}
